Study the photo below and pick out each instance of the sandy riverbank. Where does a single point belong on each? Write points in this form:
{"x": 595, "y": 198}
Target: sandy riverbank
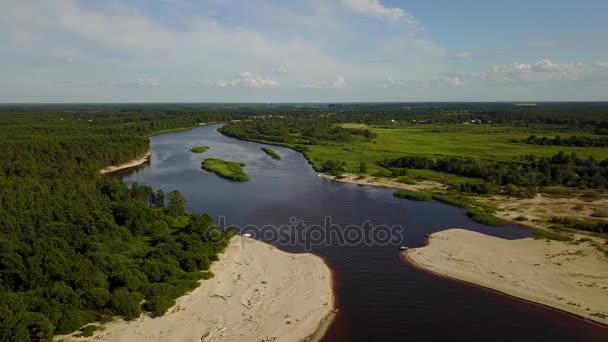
{"x": 130, "y": 164}
{"x": 257, "y": 292}
{"x": 569, "y": 277}
{"x": 385, "y": 182}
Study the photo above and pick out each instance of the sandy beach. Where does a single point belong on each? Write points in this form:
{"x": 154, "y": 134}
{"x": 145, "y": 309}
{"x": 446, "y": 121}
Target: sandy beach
{"x": 569, "y": 277}
{"x": 385, "y": 182}
{"x": 132, "y": 163}
{"x": 258, "y": 292}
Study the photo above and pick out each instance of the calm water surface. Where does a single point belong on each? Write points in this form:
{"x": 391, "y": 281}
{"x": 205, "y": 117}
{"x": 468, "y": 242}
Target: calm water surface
{"x": 379, "y": 297}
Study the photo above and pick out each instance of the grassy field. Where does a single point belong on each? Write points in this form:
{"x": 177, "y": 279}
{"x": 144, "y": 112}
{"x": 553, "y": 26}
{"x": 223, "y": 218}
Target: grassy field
{"x": 478, "y": 141}
{"x": 226, "y": 169}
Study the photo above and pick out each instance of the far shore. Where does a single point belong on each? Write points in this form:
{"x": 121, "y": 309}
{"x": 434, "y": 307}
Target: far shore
{"x": 565, "y": 276}
{"x": 259, "y": 292}
{"x": 127, "y": 165}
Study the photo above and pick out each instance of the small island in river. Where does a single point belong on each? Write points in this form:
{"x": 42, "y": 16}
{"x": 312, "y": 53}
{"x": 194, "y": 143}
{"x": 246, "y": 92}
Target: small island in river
{"x": 226, "y": 169}
{"x": 271, "y": 153}
{"x": 199, "y": 149}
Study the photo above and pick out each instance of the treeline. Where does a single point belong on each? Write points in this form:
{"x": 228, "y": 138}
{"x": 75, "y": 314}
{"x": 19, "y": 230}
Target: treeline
{"x": 561, "y": 169}
{"x": 295, "y": 130}
{"x": 572, "y": 141}
{"x": 76, "y": 246}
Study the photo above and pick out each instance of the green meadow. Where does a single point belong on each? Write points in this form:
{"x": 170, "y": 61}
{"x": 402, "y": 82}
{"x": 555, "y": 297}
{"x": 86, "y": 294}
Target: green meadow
{"x": 464, "y": 140}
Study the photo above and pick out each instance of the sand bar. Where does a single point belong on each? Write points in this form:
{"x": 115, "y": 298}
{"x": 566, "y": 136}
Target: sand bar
{"x": 130, "y": 164}
{"x": 385, "y": 182}
{"x": 258, "y": 292}
{"x": 569, "y": 277}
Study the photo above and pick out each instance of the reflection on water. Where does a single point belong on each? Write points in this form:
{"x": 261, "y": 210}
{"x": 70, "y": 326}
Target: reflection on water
{"x": 379, "y": 297}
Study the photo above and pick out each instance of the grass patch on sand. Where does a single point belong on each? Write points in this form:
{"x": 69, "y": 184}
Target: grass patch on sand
{"x": 199, "y": 149}
{"x": 456, "y": 200}
{"x": 413, "y": 195}
{"x": 548, "y": 235}
{"x": 271, "y": 153}
{"x": 484, "y": 217}
{"x": 226, "y": 169}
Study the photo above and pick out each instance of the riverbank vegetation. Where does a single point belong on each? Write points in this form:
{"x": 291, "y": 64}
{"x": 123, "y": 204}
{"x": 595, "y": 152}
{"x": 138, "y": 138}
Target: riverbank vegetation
{"x": 199, "y": 149}
{"x": 486, "y": 153}
{"x": 226, "y": 169}
{"x": 413, "y": 195}
{"x": 271, "y": 153}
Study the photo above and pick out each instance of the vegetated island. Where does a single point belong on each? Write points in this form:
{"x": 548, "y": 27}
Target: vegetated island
{"x": 226, "y": 169}
{"x": 271, "y": 153}
{"x": 566, "y": 276}
{"x": 278, "y": 295}
{"x": 199, "y": 149}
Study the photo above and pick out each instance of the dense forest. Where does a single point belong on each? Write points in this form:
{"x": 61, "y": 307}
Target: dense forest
{"x": 560, "y": 169}
{"x": 77, "y": 246}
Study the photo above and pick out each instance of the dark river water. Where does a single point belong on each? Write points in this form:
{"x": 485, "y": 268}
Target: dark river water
{"x": 379, "y": 297}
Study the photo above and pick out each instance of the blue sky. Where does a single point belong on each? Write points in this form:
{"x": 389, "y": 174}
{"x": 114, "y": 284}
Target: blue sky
{"x": 302, "y": 51}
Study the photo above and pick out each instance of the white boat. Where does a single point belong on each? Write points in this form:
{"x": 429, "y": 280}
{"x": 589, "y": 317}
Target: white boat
{"x": 247, "y": 235}
{"x": 403, "y": 248}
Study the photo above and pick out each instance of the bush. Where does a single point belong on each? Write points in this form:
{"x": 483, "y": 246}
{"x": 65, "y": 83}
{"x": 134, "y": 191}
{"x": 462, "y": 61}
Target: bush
{"x": 459, "y": 201}
{"x": 158, "y": 305}
{"x": 596, "y": 227}
{"x": 600, "y": 213}
{"x": 545, "y": 234}
{"x": 199, "y": 149}
{"x": 520, "y": 191}
{"x": 126, "y": 304}
{"x": 413, "y": 195}
{"x": 87, "y": 331}
{"x": 406, "y": 180}
{"x": 483, "y": 217}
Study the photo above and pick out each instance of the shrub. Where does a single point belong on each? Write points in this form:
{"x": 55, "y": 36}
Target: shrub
{"x": 87, "y": 331}
{"x": 459, "y": 201}
{"x": 199, "y": 149}
{"x": 126, "y": 304}
{"x": 483, "y": 217}
{"x": 546, "y": 234}
{"x": 600, "y": 213}
{"x": 158, "y": 305}
{"x": 413, "y": 195}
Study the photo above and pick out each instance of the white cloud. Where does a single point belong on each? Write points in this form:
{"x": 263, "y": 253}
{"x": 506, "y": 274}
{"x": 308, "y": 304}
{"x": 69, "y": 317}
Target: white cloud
{"x": 247, "y": 79}
{"x": 140, "y": 83}
{"x": 116, "y": 41}
{"x": 281, "y": 70}
{"x": 462, "y": 55}
{"x": 340, "y": 83}
{"x": 539, "y": 44}
{"x": 426, "y": 83}
{"x": 376, "y": 9}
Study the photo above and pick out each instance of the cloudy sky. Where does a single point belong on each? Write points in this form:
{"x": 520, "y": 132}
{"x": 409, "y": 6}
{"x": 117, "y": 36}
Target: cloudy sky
{"x": 302, "y": 50}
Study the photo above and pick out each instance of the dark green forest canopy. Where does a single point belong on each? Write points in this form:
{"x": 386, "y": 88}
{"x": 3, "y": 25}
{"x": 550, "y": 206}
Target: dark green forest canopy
{"x": 77, "y": 246}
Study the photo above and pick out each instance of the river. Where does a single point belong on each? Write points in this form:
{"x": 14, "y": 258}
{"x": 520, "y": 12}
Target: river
{"x": 379, "y": 297}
